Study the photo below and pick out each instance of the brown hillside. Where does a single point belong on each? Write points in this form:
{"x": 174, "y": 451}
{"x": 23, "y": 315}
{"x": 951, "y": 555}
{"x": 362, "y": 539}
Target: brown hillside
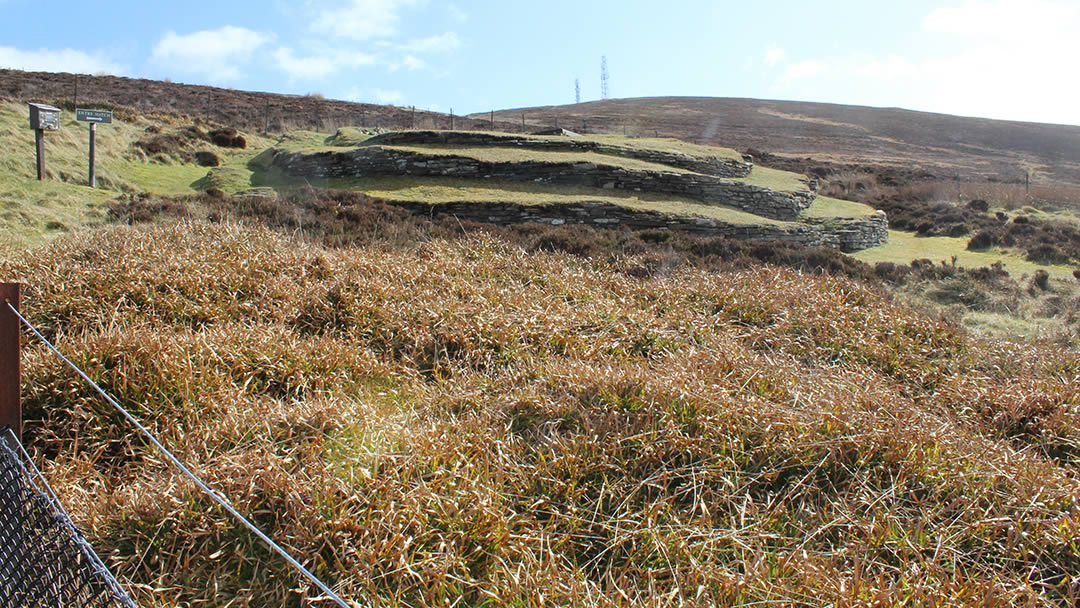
{"x": 973, "y": 148}
{"x": 246, "y": 110}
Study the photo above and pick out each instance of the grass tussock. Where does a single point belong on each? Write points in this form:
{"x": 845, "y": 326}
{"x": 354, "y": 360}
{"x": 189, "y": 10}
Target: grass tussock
{"x": 467, "y": 421}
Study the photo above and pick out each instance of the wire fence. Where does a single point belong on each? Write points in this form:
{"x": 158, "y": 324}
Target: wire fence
{"x": 63, "y": 570}
{"x": 44, "y": 560}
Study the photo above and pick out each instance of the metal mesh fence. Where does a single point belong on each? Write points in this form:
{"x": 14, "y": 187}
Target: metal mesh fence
{"x": 44, "y": 560}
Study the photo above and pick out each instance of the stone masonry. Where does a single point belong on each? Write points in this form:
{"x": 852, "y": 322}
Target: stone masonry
{"x": 710, "y": 183}
{"x": 378, "y": 161}
{"x": 845, "y": 234}
{"x": 716, "y": 166}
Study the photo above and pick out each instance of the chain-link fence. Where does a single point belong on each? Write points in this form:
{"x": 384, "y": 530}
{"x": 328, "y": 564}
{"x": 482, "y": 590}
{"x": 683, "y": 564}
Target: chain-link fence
{"x": 44, "y": 560}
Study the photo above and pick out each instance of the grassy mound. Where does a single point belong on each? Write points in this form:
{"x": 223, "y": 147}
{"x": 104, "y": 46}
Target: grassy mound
{"x": 466, "y": 421}
{"x": 137, "y": 153}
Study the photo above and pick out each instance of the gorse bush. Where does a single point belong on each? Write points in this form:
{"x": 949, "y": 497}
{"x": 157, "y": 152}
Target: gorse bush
{"x": 471, "y": 421}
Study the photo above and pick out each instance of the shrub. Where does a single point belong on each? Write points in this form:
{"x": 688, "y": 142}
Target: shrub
{"x": 228, "y": 138}
{"x": 984, "y": 239}
{"x": 1041, "y": 279}
{"x": 1048, "y": 254}
{"x": 206, "y": 158}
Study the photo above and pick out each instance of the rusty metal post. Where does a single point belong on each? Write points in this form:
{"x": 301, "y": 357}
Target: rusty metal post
{"x": 10, "y": 377}
{"x": 39, "y": 143}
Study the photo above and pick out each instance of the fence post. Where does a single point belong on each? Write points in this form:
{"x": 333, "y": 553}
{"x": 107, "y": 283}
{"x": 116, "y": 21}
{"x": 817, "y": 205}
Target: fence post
{"x": 10, "y": 380}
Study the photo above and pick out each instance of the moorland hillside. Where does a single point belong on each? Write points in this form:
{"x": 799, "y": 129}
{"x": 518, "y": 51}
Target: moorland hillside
{"x": 465, "y": 420}
{"x": 941, "y": 144}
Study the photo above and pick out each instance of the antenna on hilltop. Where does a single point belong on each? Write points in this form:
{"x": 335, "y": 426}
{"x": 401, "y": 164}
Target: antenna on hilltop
{"x": 603, "y": 78}
{"x": 577, "y": 90}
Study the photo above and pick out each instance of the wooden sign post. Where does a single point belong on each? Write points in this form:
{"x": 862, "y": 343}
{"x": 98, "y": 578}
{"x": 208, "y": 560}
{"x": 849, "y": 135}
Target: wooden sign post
{"x": 43, "y": 118}
{"x": 94, "y": 117}
{"x": 10, "y": 373}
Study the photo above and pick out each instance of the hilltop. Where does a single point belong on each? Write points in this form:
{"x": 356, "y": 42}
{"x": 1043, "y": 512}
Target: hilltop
{"x": 945, "y": 146}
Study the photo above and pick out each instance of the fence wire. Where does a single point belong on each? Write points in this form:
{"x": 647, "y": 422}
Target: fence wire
{"x": 212, "y": 494}
{"x": 44, "y": 560}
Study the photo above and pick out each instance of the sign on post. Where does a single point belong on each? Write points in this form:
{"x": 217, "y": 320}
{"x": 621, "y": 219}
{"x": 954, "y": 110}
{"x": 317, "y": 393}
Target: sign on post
{"x": 94, "y": 117}
{"x": 103, "y": 117}
{"x": 43, "y": 118}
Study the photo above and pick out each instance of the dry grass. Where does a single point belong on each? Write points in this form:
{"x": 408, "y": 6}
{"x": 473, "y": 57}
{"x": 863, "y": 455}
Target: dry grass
{"x": 466, "y": 423}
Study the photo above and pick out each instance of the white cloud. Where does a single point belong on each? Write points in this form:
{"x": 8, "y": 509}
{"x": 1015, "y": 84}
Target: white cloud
{"x": 408, "y": 62}
{"x": 319, "y": 65}
{"x": 804, "y": 69}
{"x": 1003, "y": 19}
{"x": 217, "y": 54}
{"x": 361, "y": 19}
{"x": 774, "y": 56}
{"x": 303, "y": 67}
{"x": 58, "y": 60}
{"x": 456, "y": 13}
{"x": 1001, "y": 59}
{"x": 443, "y": 43}
{"x": 364, "y": 95}
{"x": 389, "y": 97}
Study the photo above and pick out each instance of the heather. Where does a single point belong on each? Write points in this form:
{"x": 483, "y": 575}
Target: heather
{"x": 471, "y": 421}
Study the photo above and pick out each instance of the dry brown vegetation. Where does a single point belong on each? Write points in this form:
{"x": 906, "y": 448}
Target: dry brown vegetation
{"x": 247, "y": 110}
{"x": 467, "y": 422}
{"x": 975, "y": 148}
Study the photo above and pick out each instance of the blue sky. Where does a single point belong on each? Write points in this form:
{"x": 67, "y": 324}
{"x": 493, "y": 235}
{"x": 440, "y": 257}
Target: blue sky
{"x": 1012, "y": 59}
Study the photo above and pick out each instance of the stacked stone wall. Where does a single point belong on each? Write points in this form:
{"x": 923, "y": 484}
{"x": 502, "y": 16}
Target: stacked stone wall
{"x": 613, "y": 216}
{"x": 715, "y": 166}
{"x": 379, "y": 161}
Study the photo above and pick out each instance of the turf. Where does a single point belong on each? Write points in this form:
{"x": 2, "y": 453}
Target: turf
{"x": 903, "y": 247}
{"x": 775, "y": 179}
{"x": 825, "y": 207}
{"x": 434, "y": 191}
{"x": 496, "y": 154}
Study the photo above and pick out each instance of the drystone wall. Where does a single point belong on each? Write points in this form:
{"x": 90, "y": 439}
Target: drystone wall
{"x": 848, "y": 235}
{"x": 862, "y": 233}
{"x": 719, "y": 167}
{"x": 378, "y": 161}
{"x": 612, "y": 216}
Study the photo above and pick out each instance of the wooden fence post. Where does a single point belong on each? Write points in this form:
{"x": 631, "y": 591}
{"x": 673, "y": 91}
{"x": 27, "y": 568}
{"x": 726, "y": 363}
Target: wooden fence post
{"x": 10, "y": 377}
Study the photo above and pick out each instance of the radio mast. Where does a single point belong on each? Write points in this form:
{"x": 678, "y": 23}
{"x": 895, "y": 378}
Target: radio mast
{"x": 604, "y": 91}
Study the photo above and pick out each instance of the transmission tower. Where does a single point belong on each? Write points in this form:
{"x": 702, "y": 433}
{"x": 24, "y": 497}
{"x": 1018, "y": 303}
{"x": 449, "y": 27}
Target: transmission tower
{"x": 603, "y": 78}
{"x": 577, "y": 90}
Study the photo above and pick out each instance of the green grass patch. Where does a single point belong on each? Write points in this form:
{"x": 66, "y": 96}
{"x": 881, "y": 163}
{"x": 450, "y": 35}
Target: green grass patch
{"x": 435, "y": 191}
{"x": 161, "y": 178}
{"x": 775, "y": 179}
{"x": 662, "y": 144}
{"x": 493, "y": 154}
{"x": 825, "y": 207}
{"x": 32, "y": 211}
{"x": 227, "y": 179}
{"x": 303, "y": 141}
{"x": 348, "y": 137}
{"x": 903, "y": 247}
